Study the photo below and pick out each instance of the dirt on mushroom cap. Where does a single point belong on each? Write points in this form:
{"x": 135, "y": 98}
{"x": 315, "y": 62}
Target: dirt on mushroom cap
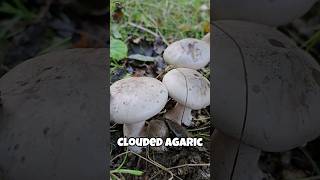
{"x": 188, "y": 87}
{"x": 136, "y": 99}
{"x": 188, "y": 53}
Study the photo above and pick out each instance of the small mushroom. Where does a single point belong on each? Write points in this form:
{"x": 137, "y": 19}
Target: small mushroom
{"x": 266, "y": 96}
{"x": 269, "y": 12}
{"x": 191, "y": 91}
{"x": 133, "y": 101}
{"x": 188, "y": 53}
{"x": 206, "y": 38}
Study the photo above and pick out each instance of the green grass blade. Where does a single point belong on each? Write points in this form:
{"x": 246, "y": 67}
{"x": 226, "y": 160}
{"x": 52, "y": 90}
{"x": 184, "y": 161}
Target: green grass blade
{"x": 128, "y": 171}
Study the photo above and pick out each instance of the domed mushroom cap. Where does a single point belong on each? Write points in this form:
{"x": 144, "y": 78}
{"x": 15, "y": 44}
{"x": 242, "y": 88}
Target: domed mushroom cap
{"x": 188, "y": 53}
{"x": 52, "y": 107}
{"x": 188, "y": 87}
{"x": 274, "y": 13}
{"x": 136, "y": 99}
{"x": 263, "y": 79}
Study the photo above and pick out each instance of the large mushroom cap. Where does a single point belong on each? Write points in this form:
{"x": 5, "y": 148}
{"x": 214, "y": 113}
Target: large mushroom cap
{"x": 52, "y": 106}
{"x": 188, "y": 53}
{"x": 274, "y": 13}
{"x": 136, "y": 99}
{"x": 188, "y": 87}
{"x": 261, "y": 77}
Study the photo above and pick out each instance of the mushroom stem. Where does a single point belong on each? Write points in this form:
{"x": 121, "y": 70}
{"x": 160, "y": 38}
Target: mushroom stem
{"x": 224, "y": 154}
{"x": 180, "y": 113}
{"x": 134, "y": 130}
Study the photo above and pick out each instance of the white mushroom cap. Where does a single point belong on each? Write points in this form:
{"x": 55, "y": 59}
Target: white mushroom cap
{"x": 274, "y": 13}
{"x": 188, "y": 53}
{"x": 136, "y": 99}
{"x": 280, "y": 87}
{"x": 188, "y": 87}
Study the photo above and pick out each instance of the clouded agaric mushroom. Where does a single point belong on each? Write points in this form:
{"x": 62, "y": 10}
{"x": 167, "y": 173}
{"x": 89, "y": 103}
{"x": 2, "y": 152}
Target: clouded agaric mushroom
{"x": 266, "y": 95}
{"x": 269, "y": 12}
{"x": 188, "y": 53}
{"x": 191, "y": 91}
{"x": 134, "y": 100}
{"x": 206, "y": 38}
{"x": 52, "y": 106}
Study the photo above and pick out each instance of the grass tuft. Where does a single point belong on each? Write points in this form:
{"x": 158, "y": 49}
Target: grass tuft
{"x": 172, "y": 20}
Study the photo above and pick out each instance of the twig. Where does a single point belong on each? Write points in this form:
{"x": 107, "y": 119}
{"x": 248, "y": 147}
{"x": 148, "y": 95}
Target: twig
{"x": 183, "y": 165}
{"x": 150, "y": 32}
{"x": 114, "y": 125}
{"x": 121, "y": 154}
{"x": 158, "y": 31}
{"x": 155, "y": 175}
{"x": 189, "y": 165}
{"x": 44, "y": 10}
{"x": 124, "y": 160}
{"x": 158, "y": 165}
{"x": 162, "y": 37}
{"x": 143, "y": 28}
{"x": 198, "y": 129}
{"x": 116, "y": 177}
{"x": 201, "y": 119}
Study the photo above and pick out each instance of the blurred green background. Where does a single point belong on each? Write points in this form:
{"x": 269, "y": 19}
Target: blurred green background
{"x": 172, "y": 20}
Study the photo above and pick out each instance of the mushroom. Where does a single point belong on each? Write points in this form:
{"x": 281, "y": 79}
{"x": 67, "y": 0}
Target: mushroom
{"x": 188, "y": 53}
{"x": 134, "y": 100}
{"x": 273, "y": 13}
{"x": 158, "y": 129}
{"x": 266, "y": 96}
{"x": 206, "y": 38}
{"x": 191, "y": 91}
{"x": 53, "y": 117}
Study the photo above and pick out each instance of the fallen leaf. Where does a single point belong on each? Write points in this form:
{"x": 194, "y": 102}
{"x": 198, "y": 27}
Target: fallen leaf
{"x": 118, "y": 49}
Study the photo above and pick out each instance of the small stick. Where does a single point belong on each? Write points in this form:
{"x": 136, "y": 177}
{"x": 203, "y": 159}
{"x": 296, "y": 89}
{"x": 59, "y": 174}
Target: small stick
{"x": 189, "y": 165}
{"x": 143, "y": 28}
{"x": 149, "y": 31}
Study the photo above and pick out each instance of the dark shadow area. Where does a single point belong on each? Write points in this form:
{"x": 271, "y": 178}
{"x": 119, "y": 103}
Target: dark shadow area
{"x": 266, "y": 89}
{"x": 53, "y": 79}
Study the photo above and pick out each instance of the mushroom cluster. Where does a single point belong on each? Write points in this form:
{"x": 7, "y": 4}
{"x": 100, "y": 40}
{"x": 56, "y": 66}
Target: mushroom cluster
{"x": 191, "y": 91}
{"x": 189, "y": 88}
{"x": 136, "y": 99}
{"x": 266, "y": 97}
